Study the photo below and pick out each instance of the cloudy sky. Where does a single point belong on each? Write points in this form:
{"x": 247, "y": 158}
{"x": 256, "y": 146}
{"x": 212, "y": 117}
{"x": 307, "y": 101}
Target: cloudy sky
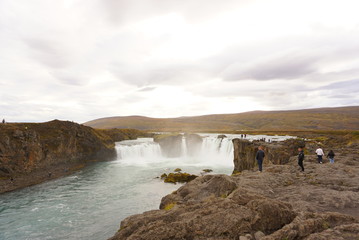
{"x": 85, "y": 59}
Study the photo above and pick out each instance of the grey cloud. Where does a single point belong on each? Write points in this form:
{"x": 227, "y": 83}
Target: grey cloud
{"x": 49, "y": 53}
{"x": 146, "y": 89}
{"x": 350, "y": 86}
{"x": 286, "y": 67}
{"x": 168, "y": 74}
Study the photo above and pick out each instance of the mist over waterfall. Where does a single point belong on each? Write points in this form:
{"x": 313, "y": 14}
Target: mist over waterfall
{"x": 212, "y": 151}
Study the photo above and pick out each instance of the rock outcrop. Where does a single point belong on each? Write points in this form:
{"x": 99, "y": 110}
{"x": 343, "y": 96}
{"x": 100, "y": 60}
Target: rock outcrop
{"x": 178, "y": 177}
{"x": 193, "y": 143}
{"x": 31, "y": 153}
{"x": 171, "y": 145}
{"x": 279, "y": 203}
{"x": 276, "y": 153}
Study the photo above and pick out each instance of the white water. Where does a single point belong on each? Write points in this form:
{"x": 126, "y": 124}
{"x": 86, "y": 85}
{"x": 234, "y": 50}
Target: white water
{"x": 143, "y": 151}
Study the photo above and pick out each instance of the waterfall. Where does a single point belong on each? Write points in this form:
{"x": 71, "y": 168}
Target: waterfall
{"x": 212, "y": 151}
{"x": 139, "y": 151}
{"x": 216, "y": 151}
{"x": 184, "y": 151}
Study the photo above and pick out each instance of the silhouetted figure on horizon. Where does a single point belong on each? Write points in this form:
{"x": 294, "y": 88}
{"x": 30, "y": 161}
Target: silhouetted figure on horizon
{"x": 3, "y": 121}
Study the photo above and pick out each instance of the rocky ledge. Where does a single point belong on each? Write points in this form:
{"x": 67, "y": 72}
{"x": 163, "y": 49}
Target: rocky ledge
{"x": 281, "y": 203}
{"x": 32, "y": 153}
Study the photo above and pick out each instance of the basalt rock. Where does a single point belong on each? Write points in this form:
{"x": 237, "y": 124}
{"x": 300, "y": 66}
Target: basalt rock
{"x": 31, "y": 151}
{"x": 276, "y": 153}
{"x": 200, "y": 189}
{"x": 281, "y": 202}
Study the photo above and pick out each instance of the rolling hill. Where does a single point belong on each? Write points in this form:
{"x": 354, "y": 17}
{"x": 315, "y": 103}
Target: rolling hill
{"x": 340, "y": 118}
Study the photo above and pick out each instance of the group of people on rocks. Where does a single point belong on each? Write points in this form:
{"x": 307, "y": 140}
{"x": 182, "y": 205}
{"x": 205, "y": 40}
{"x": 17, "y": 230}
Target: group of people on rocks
{"x": 319, "y": 151}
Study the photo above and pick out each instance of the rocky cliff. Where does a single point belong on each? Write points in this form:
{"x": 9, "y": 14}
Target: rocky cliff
{"x": 35, "y": 152}
{"x": 279, "y": 203}
{"x": 276, "y": 152}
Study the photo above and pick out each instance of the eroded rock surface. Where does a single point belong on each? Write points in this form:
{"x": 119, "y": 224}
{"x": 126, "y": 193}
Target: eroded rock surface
{"x": 281, "y": 202}
{"x": 276, "y": 153}
{"x": 31, "y": 153}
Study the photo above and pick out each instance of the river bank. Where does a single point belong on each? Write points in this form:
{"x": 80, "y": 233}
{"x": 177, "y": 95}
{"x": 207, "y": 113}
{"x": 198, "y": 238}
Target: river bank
{"x": 31, "y": 153}
{"x": 279, "y": 203}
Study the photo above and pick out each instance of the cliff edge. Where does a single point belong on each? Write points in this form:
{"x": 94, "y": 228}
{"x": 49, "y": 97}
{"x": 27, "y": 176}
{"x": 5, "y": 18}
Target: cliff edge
{"x": 31, "y": 153}
{"x": 279, "y": 203}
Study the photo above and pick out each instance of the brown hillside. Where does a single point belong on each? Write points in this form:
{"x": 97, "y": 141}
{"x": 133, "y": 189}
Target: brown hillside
{"x": 342, "y": 118}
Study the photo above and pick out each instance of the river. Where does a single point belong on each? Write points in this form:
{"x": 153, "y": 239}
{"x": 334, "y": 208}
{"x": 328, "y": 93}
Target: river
{"x": 91, "y": 203}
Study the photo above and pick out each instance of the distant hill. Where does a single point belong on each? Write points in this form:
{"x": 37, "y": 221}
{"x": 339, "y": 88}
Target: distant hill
{"x": 340, "y": 118}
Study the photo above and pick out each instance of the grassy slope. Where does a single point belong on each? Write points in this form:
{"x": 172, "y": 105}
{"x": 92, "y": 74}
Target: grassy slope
{"x": 309, "y": 119}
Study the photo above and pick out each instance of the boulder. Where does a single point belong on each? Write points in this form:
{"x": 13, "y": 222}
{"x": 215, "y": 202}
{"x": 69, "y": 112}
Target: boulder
{"x": 201, "y": 188}
{"x": 178, "y": 177}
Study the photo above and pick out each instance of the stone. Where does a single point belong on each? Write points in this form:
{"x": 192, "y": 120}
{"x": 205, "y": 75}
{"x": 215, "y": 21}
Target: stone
{"x": 259, "y": 235}
{"x": 179, "y": 177}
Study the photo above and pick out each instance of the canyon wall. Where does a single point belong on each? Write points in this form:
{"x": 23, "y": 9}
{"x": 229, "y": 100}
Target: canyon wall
{"x": 275, "y": 152}
{"x": 31, "y": 153}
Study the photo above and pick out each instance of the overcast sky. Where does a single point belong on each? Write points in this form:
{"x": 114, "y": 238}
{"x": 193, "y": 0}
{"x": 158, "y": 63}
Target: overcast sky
{"x": 80, "y": 60}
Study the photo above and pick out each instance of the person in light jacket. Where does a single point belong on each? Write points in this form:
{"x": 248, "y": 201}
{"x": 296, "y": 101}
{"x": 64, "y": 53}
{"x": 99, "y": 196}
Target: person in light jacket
{"x": 320, "y": 154}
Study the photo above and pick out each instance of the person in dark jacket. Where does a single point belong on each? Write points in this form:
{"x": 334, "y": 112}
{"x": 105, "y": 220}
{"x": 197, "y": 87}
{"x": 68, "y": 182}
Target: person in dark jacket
{"x": 259, "y": 157}
{"x": 301, "y": 158}
{"x": 331, "y": 156}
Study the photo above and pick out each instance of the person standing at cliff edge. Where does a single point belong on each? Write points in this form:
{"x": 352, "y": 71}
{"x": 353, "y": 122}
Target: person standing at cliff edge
{"x": 301, "y": 158}
{"x": 259, "y": 157}
{"x": 320, "y": 154}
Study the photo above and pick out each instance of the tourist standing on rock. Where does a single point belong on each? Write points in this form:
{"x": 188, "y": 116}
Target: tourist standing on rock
{"x": 320, "y": 154}
{"x": 259, "y": 157}
{"x": 331, "y": 156}
{"x": 301, "y": 158}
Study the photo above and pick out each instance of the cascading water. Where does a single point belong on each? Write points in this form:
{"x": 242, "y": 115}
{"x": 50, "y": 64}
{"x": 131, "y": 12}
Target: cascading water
{"x": 140, "y": 151}
{"x": 213, "y": 151}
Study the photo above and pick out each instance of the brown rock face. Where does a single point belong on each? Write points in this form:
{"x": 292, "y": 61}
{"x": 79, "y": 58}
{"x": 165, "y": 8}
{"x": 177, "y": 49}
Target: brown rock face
{"x": 275, "y": 153}
{"x": 209, "y": 217}
{"x": 279, "y": 203}
{"x": 30, "y": 148}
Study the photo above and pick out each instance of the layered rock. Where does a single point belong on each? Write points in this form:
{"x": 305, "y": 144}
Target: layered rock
{"x": 279, "y": 203}
{"x": 33, "y": 152}
{"x": 276, "y": 153}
